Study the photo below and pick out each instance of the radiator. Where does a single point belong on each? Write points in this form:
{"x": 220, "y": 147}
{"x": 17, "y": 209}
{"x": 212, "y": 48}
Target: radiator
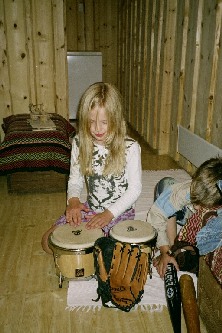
{"x": 195, "y": 149}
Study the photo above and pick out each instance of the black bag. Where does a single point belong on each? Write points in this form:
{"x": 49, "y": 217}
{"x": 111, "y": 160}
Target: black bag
{"x": 186, "y": 255}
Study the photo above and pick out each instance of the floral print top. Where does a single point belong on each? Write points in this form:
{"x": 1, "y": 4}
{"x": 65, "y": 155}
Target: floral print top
{"x": 116, "y": 193}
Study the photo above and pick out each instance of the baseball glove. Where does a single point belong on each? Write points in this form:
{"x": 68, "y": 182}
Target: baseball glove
{"x": 121, "y": 278}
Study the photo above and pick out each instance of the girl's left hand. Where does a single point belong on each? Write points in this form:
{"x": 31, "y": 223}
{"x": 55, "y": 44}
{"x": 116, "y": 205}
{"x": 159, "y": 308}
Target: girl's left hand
{"x": 100, "y": 220}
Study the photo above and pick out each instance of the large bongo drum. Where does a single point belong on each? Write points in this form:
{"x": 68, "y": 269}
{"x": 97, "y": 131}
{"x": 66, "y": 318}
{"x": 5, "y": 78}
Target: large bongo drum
{"x": 139, "y": 233}
{"x": 73, "y": 251}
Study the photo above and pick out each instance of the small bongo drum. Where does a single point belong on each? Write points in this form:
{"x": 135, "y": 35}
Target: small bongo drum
{"x": 139, "y": 233}
{"x": 73, "y": 251}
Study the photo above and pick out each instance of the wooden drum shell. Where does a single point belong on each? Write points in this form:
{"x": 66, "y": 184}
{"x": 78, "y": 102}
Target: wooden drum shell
{"x": 132, "y": 232}
{"x": 74, "y": 259}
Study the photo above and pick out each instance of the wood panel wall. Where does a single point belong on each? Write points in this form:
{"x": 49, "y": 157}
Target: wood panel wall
{"x": 34, "y": 39}
{"x": 170, "y": 69}
{"x": 92, "y": 26}
{"x": 165, "y": 57}
{"x": 33, "y": 56}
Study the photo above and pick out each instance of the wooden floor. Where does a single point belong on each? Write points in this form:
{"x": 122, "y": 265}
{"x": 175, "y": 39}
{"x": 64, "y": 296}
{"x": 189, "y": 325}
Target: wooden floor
{"x": 30, "y": 300}
{"x": 151, "y": 160}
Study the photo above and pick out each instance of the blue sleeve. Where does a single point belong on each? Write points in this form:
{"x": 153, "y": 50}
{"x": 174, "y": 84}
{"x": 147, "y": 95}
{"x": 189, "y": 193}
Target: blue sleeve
{"x": 164, "y": 203}
{"x": 209, "y": 238}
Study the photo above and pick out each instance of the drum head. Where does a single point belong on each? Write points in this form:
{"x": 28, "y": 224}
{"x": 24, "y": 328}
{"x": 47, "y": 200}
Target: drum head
{"x": 133, "y": 231}
{"x": 69, "y": 237}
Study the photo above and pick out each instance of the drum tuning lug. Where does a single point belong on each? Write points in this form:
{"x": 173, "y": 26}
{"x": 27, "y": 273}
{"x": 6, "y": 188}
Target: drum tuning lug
{"x": 60, "y": 280}
{"x": 151, "y": 276}
{"x": 150, "y": 265}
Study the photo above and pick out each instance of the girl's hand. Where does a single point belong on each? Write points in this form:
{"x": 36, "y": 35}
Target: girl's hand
{"x": 73, "y": 211}
{"x": 161, "y": 263}
{"x": 100, "y": 220}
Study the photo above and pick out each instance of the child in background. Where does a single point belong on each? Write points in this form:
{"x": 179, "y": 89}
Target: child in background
{"x": 106, "y": 159}
{"x": 197, "y": 205}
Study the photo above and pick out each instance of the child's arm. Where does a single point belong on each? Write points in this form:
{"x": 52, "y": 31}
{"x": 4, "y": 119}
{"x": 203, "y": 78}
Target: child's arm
{"x": 134, "y": 176}
{"x": 76, "y": 179}
{"x": 75, "y": 186}
{"x": 169, "y": 202}
{"x": 163, "y": 260}
{"x": 73, "y": 211}
{"x": 165, "y": 254}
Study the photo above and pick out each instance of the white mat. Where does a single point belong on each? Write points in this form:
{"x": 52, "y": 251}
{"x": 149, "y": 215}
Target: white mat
{"x": 81, "y": 293}
{"x": 149, "y": 181}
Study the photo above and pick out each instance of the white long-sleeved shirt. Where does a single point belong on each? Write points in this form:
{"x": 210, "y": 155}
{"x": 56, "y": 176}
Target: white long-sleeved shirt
{"x": 116, "y": 193}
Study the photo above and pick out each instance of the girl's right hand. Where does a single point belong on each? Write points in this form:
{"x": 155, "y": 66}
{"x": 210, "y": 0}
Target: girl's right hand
{"x": 73, "y": 211}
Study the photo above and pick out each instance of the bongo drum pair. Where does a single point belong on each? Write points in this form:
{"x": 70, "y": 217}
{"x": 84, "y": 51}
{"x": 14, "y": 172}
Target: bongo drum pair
{"x": 73, "y": 246}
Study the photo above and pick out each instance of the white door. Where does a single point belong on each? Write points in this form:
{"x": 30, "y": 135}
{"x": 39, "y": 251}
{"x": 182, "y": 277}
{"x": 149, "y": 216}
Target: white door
{"x": 84, "y": 68}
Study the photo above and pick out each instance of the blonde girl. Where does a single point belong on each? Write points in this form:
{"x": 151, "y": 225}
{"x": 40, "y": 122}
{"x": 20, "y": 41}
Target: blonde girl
{"x": 106, "y": 159}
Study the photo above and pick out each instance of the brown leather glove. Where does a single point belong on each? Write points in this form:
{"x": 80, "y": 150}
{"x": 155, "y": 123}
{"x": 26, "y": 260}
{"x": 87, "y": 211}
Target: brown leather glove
{"x": 128, "y": 274}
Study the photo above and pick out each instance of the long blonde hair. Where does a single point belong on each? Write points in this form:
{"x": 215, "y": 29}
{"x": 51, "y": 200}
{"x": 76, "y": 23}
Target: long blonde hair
{"x": 107, "y": 96}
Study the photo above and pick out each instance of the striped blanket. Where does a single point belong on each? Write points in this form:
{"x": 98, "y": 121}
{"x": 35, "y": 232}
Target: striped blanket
{"x": 26, "y": 150}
